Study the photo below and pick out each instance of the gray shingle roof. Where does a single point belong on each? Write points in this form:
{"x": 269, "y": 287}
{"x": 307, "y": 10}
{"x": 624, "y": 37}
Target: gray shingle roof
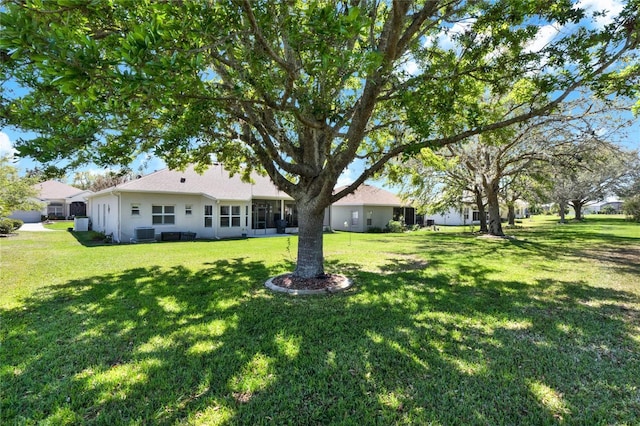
{"x": 54, "y": 190}
{"x": 215, "y": 183}
{"x": 367, "y": 195}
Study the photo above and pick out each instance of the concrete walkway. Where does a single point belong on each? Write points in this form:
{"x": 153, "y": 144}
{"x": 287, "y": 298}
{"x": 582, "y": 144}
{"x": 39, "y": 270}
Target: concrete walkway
{"x": 36, "y": 227}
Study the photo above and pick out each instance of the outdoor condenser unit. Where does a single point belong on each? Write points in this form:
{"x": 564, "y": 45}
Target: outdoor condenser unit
{"x": 142, "y": 234}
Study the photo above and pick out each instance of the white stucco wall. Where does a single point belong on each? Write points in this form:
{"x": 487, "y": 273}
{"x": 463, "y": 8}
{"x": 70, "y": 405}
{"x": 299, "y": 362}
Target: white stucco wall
{"x": 449, "y": 218}
{"x": 379, "y": 215}
{"x": 194, "y": 222}
{"x": 114, "y": 213}
{"x": 453, "y": 217}
{"x": 103, "y": 213}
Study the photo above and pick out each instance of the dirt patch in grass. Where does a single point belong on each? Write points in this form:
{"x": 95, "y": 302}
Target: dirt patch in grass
{"x": 626, "y": 256}
{"x": 496, "y": 237}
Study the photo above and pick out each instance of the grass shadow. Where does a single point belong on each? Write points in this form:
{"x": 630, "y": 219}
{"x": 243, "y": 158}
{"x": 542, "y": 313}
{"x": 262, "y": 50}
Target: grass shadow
{"x": 171, "y": 345}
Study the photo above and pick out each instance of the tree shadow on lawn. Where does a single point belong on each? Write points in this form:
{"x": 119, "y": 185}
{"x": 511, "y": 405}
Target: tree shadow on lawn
{"x": 152, "y": 345}
{"x": 618, "y": 252}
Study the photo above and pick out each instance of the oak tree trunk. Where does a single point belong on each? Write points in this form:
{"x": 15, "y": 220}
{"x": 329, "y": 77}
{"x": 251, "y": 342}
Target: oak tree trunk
{"x": 563, "y": 206}
{"x": 482, "y": 215}
{"x": 577, "y": 208}
{"x": 495, "y": 225}
{"x": 310, "y": 262}
{"x": 511, "y": 215}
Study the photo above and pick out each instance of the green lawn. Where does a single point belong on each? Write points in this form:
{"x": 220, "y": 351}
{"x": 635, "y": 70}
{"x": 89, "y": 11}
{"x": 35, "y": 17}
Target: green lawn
{"x": 440, "y": 327}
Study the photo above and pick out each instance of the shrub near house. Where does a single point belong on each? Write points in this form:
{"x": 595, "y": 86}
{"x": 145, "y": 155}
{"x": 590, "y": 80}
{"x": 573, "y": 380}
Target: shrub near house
{"x": 8, "y": 226}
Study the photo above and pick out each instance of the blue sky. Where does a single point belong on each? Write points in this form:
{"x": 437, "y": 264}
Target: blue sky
{"x": 8, "y": 136}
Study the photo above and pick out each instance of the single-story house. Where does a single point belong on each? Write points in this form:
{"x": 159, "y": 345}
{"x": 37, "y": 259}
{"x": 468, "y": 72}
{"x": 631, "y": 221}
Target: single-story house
{"x": 61, "y": 201}
{"x": 468, "y": 215}
{"x": 369, "y": 207}
{"x": 169, "y": 204}
{"x": 609, "y": 204}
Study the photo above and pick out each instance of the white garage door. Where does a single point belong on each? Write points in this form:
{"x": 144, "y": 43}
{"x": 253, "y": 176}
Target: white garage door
{"x": 31, "y": 216}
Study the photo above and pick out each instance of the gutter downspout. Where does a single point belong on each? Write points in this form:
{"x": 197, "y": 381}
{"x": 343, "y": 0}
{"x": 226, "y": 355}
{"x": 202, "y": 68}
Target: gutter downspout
{"x": 215, "y": 220}
{"x": 118, "y": 216}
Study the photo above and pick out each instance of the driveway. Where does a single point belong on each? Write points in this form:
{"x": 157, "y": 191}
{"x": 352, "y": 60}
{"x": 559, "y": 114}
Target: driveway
{"x": 37, "y": 227}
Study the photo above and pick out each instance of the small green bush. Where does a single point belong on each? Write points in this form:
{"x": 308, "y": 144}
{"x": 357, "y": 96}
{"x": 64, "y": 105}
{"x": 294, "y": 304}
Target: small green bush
{"x": 395, "y": 226}
{"x": 7, "y": 226}
{"x": 375, "y": 230}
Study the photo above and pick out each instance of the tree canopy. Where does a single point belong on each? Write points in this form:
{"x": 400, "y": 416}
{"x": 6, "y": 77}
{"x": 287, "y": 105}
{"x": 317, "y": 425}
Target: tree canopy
{"x": 598, "y": 170}
{"x": 298, "y": 90}
{"x": 16, "y": 193}
{"x": 501, "y": 165}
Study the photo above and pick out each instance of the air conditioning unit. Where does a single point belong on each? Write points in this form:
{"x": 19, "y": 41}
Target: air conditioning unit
{"x": 145, "y": 234}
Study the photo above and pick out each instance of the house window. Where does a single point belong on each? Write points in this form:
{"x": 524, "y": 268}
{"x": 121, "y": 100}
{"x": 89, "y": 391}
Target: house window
{"x": 135, "y": 209}
{"x": 163, "y": 215}
{"x": 398, "y": 214}
{"x": 229, "y": 216}
{"x": 208, "y": 216}
{"x": 476, "y": 216}
{"x": 188, "y": 210}
{"x": 354, "y": 218}
{"x": 55, "y": 209}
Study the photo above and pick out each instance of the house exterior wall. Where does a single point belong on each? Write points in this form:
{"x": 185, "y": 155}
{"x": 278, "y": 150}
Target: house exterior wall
{"x": 104, "y": 215}
{"x": 456, "y": 217}
{"x": 349, "y": 215}
{"x": 360, "y": 218}
{"x": 453, "y": 217}
{"x": 379, "y": 215}
{"x": 191, "y": 213}
{"x": 121, "y": 213}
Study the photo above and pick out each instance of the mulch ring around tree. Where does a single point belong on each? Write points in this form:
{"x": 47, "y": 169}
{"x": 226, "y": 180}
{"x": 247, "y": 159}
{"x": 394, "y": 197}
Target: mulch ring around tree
{"x": 327, "y": 283}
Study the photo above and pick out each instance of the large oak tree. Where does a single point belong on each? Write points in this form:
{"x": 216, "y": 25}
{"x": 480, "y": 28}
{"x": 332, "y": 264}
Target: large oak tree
{"x": 501, "y": 165}
{"x": 296, "y": 89}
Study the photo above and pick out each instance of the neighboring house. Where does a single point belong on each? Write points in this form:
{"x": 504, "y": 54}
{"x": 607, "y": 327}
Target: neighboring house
{"x": 169, "y": 204}
{"x": 467, "y": 215}
{"x": 613, "y": 206}
{"x": 610, "y": 203}
{"x": 369, "y": 207}
{"x": 214, "y": 204}
{"x": 61, "y": 201}
{"x": 211, "y": 205}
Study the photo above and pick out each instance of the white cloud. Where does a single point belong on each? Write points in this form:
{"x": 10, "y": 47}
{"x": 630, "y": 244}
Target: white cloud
{"x": 446, "y": 35}
{"x": 346, "y": 178}
{"x": 6, "y": 146}
{"x": 611, "y": 7}
{"x": 544, "y": 37}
